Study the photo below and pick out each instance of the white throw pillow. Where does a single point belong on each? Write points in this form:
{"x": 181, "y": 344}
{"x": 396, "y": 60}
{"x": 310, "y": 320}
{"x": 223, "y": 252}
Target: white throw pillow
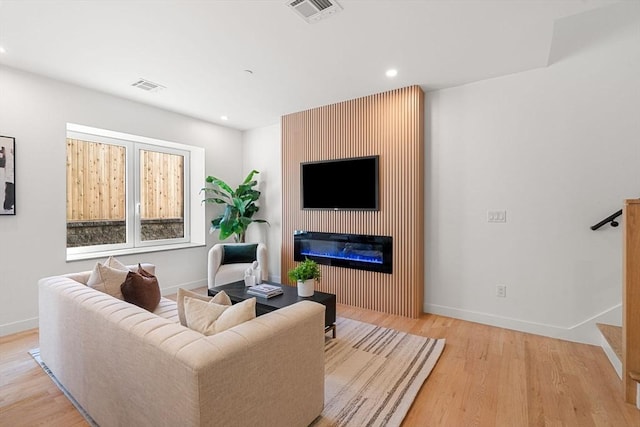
{"x": 210, "y": 318}
{"x": 202, "y": 316}
{"x": 220, "y": 298}
{"x": 236, "y": 314}
{"x": 114, "y": 263}
{"x": 108, "y": 277}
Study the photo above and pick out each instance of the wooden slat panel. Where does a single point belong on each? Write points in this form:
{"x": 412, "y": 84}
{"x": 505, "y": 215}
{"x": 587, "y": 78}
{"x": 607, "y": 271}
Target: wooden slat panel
{"x": 390, "y": 125}
{"x": 631, "y": 298}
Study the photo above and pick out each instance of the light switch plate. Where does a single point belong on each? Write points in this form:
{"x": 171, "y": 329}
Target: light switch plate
{"x": 501, "y": 291}
{"x": 496, "y": 216}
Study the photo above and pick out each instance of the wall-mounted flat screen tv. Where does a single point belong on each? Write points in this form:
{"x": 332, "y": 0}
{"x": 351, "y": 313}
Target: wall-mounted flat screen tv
{"x": 342, "y": 184}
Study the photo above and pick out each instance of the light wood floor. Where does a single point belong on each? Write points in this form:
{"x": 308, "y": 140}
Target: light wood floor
{"x": 486, "y": 377}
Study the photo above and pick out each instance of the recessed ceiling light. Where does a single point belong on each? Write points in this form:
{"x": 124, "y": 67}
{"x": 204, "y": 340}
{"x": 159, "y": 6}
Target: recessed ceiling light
{"x": 2, "y": 50}
{"x": 224, "y": 118}
{"x": 392, "y": 72}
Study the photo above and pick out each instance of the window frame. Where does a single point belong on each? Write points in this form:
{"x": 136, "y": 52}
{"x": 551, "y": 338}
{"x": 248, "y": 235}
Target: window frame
{"x": 193, "y": 173}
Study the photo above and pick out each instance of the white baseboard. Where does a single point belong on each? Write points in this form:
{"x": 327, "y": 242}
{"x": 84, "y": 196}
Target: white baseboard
{"x": 190, "y": 285}
{"x": 19, "y": 326}
{"x": 584, "y": 332}
{"x": 611, "y": 355}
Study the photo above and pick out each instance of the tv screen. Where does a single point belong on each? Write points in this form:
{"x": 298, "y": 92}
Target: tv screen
{"x": 349, "y": 184}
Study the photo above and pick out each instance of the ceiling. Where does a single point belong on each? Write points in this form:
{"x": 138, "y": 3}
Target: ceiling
{"x": 199, "y": 50}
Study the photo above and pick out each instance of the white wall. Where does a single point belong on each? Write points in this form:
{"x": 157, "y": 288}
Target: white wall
{"x": 558, "y": 149}
{"x": 262, "y": 151}
{"x": 35, "y": 111}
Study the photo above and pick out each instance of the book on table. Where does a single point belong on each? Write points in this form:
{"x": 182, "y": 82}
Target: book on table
{"x": 264, "y": 290}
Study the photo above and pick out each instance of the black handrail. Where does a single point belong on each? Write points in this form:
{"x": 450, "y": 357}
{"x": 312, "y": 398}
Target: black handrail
{"x": 611, "y": 219}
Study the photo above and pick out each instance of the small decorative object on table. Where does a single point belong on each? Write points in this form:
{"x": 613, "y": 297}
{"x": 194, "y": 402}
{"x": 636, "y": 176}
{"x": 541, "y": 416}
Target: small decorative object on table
{"x": 253, "y": 275}
{"x": 249, "y": 280}
{"x": 265, "y": 291}
{"x": 305, "y": 274}
{"x": 257, "y": 272}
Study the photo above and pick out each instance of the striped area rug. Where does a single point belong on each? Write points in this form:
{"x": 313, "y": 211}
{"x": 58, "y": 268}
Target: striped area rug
{"x": 373, "y": 374}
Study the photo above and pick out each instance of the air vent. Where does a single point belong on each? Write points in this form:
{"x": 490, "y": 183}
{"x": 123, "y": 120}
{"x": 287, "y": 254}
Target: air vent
{"x": 147, "y": 85}
{"x": 314, "y": 10}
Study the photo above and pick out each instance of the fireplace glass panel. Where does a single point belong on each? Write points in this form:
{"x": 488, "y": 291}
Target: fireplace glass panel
{"x": 357, "y": 251}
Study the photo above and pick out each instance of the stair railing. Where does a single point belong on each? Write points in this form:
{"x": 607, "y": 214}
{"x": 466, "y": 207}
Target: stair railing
{"x": 611, "y": 219}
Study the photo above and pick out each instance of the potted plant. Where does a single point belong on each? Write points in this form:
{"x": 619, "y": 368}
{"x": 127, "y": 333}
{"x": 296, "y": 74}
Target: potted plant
{"x": 304, "y": 274}
{"x": 239, "y": 206}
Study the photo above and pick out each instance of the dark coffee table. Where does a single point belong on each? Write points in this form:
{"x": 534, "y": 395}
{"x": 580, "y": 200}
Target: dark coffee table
{"x": 237, "y": 292}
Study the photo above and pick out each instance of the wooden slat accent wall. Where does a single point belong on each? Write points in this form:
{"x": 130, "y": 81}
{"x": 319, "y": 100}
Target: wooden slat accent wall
{"x": 390, "y": 125}
{"x": 631, "y": 298}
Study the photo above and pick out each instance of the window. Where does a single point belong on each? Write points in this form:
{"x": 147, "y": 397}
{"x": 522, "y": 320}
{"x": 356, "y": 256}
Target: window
{"x": 127, "y": 193}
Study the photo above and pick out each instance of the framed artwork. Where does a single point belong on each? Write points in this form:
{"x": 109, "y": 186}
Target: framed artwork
{"x": 7, "y": 175}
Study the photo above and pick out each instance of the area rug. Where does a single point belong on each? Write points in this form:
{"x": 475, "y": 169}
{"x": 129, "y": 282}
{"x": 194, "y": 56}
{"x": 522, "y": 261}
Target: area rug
{"x": 35, "y": 353}
{"x": 373, "y": 374}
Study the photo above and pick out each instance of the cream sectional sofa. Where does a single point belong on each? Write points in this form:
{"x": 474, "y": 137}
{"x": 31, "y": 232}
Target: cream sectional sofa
{"x": 129, "y": 367}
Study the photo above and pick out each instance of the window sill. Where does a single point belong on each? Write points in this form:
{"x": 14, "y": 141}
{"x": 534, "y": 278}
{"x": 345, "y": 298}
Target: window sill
{"x": 131, "y": 251}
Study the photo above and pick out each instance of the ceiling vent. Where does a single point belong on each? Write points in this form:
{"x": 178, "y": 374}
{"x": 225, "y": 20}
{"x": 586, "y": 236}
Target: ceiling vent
{"x": 147, "y": 85}
{"x": 314, "y": 10}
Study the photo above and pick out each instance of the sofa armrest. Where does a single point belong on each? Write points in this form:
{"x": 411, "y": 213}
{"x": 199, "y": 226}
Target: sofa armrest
{"x": 213, "y": 263}
{"x": 268, "y": 371}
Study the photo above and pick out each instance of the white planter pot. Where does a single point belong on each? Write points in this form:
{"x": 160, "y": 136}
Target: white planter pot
{"x": 305, "y": 289}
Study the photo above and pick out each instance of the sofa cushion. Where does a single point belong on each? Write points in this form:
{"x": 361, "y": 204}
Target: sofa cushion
{"x": 141, "y": 288}
{"x": 167, "y": 309}
{"x": 234, "y": 254}
{"x": 220, "y": 298}
{"x": 210, "y": 318}
{"x": 108, "y": 277}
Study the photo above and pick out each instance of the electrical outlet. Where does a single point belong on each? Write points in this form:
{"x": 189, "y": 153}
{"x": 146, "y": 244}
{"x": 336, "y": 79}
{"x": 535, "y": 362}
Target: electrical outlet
{"x": 501, "y": 291}
{"x": 496, "y": 216}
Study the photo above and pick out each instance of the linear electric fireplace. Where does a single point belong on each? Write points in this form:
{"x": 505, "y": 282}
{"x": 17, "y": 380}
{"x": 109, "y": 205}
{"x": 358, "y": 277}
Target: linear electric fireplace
{"x": 362, "y": 252}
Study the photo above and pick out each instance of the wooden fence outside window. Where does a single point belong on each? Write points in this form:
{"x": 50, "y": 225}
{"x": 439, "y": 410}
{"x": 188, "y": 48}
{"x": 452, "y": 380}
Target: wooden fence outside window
{"x": 96, "y": 189}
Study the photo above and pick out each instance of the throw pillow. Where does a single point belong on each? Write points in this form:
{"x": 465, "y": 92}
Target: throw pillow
{"x": 235, "y": 254}
{"x": 141, "y": 290}
{"x": 236, "y": 314}
{"x": 210, "y": 318}
{"x": 220, "y": 298}
{"x": 108, "y": 277}
{"x": 114, "y": 263}
{"x": 144, "y": 272}
{"x": 202, "y": 316}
